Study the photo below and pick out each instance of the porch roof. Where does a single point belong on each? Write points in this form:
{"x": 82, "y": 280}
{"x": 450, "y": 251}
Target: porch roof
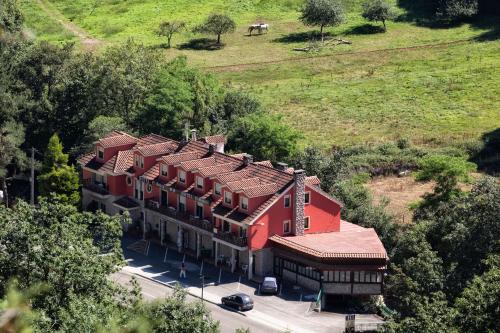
{"x": 352, "y": 241}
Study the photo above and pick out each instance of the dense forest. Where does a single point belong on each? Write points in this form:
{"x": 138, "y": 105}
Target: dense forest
{"x": 444, "y": 273}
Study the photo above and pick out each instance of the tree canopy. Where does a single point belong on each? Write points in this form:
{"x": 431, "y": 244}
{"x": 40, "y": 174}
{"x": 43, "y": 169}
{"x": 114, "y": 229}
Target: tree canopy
{"x": 57, "y": 178}
{"x": 322, "y": 13}
{"x": 264, "y": 136}
{"x": 11, "y": 18}
{"x": 55, "y": 264}
{"x": 169, "y": 28}
{"x": 378, "y": 11}
{"x": 217, "y": 24}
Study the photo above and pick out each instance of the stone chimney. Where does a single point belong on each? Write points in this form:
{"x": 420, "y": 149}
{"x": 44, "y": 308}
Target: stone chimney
{"x": 193, "y": 135}
{"x": 299, "y": 177}
{"x": 247, "y": 159}
{"x": 281, "y": 166}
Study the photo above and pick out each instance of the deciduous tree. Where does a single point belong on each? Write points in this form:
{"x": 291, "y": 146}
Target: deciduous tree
{"x": 322, "y": 13}
{"x": 378, "y": 11}
{"x": 169, "y": 28}
{"x": 217, "y": 24}
{"x": 264, "y": 136}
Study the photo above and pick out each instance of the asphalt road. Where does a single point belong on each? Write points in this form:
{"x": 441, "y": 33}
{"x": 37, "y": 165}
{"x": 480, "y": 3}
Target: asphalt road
{"x": 229, "y": 320}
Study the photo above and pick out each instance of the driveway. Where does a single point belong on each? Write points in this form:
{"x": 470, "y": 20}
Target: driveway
{"x": 291, "y": 310}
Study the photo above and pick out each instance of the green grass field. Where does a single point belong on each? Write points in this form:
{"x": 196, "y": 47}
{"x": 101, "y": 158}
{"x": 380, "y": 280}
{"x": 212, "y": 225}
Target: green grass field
{"x": 380, "y": 87}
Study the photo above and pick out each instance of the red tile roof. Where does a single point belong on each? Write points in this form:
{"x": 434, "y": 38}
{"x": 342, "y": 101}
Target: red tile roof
{"x": 239, "y": 155}
{"x": 266, "y": 163}
{"x": 351, "y": 241}
{"x": 260, "y": 190}
{"x": 124, "y": 161}
{"x": 161, "y": 148}
{"x": 196, "y": 164}
{"x": 213, "y": 139}
{"x": 244, "y": 183}
{"x": 180, "y": 157}
{"x": 313, "y": 180}
{"x": 152, "y": 139}
{"x": 153, "y": 172}
{"x": 117, "y": 138}
{"x": 217, "y": 169}
{"x": 84, "y": 159}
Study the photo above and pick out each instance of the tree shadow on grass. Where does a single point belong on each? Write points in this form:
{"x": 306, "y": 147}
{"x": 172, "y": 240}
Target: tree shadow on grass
{"x": 365, "y": 29}
{"x": 301, "y": 37}
{"x": 423, "y": 13}
{"x": 488, "y": 157}
{"x": 201, "y": 44}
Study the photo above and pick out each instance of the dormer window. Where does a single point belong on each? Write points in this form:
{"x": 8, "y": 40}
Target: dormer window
{"x": 164, "y": 170}
{"x": 100, "y": 153}
{"x": 244, "y": 203}
{"x": 218, "y": 188}
{"x": 182, "y": 176}
{"x": 139, "y": 161}
{"x": 228, "y": 197}
{"x": 199, "y": 182}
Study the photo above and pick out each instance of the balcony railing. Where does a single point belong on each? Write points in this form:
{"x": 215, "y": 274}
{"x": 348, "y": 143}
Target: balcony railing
{"x": 99, "y": 188}
{"x": 231, "y": 238}
{"x": 183, "y": 217}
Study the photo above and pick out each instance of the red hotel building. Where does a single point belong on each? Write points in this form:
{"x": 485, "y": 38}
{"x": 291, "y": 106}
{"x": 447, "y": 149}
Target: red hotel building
{"x": 253, "y": 216}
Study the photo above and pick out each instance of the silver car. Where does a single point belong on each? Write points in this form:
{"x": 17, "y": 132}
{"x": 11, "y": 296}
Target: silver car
{"x": 269, "y": 286}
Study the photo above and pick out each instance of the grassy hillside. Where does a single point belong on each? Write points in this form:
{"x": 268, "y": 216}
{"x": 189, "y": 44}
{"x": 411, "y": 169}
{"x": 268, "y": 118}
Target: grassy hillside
{"x": 432, "y": 95}
{"x": 432, "y": 84}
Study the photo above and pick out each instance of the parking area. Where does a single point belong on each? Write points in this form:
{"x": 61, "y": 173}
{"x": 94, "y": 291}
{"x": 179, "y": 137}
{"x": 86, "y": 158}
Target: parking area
{"x": 292, "y": 308}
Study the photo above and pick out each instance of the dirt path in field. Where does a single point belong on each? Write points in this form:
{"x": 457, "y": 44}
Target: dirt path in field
{"x": 237, "y": 67}
{"x": 87, "y": 41}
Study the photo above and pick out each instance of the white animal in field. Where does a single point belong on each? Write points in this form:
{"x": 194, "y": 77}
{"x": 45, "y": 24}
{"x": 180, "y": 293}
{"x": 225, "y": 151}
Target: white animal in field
{"x": 259, "y": 27}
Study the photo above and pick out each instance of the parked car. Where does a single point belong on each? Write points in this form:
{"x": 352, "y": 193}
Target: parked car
{"x": 239, "y": 301}
{"x": 269, "y": 286}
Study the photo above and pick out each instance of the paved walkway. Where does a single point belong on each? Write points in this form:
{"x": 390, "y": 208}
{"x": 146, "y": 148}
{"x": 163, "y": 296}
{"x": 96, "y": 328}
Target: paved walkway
{"x": 289, "y": 311}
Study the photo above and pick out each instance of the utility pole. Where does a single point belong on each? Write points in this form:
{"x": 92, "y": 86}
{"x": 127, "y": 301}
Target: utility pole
{"x": 32, "y": 178}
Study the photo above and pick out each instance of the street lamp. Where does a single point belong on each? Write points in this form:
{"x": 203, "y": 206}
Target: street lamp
{"x": 202, "y": 277}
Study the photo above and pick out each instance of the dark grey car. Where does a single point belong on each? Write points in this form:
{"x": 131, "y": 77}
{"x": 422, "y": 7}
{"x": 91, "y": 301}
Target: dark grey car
{"x": 238, "y": 301}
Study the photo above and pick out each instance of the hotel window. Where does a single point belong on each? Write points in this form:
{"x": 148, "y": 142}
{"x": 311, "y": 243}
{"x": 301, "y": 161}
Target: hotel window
{"x": 100, "y": 153}
{"x": 286, "y": 226}
{"x": 243, "y": 232}
{"x": 244, "y": 203}
{"x": 226, "y": 227}
{"x": 199, "y": 182}
{"x": 182, "y": 204}
{"x": 218, "y": 188}
{"x": 139, "y": 190}
{"x": 307, "y": 223}
{"x": 164, "y": 170}
{"x": 307, "y": 197}
{"x": 182, "y": 176}
{"x": 340, "y": 276}
{"x": 228, "y": 197}
{"x": 199, "y": 210}
{"x": 287, "y": 201}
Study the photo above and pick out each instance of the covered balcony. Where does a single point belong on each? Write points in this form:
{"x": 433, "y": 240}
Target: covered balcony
{"x": 180, "y": 216}
{"x": 101, "y": 189}
{"x": 231, "y": 238}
